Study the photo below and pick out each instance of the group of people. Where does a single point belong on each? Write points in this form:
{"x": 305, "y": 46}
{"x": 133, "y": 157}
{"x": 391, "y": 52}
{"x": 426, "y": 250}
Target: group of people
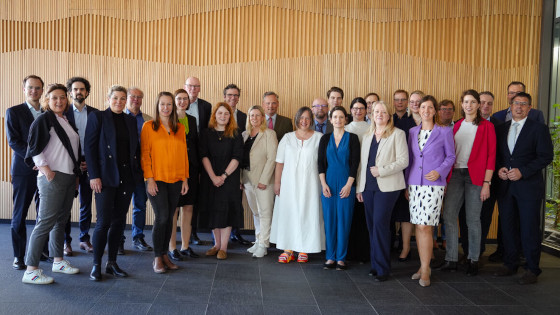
{"x": 338, "y": 182}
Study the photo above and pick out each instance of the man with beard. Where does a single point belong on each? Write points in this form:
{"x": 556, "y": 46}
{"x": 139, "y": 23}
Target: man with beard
{"x": 320, "y": 110}
{"x": 79, "y": 89}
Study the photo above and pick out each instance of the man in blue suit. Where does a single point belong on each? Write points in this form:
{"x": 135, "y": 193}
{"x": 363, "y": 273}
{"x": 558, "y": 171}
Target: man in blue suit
{"x": 524, "y": 150}
{"x": 24, "y": 178}
{"x": 79, "y": 89}
{"x": 505, "y": 115}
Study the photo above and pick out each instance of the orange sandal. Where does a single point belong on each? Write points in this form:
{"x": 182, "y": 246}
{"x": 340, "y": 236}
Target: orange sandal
{"x": 286, "y": 257}
{"x": 302, "y": 258}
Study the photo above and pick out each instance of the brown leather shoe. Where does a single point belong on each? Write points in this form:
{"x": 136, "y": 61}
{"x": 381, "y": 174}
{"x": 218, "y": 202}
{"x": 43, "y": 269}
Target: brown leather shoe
{"x": 528, "y": 278}
{"x": 168, "y": 264}
{"x": 212, "y": 251}
{"x": 222, "y": 255}
{"x": 86, "y": 246}
{"x": 68, "y": 250}
{"x": 158, "y": 265}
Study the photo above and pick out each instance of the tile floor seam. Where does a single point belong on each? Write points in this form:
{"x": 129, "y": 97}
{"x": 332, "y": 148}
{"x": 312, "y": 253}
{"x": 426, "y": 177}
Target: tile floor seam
{"x": 362, "y": 293}
{"x": 309, "y": 284}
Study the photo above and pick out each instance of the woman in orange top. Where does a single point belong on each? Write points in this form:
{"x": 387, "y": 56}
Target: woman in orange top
{"x": 166, "y": 169}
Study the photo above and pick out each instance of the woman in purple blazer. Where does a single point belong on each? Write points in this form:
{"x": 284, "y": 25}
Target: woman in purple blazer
{"x": 432, "y": 154}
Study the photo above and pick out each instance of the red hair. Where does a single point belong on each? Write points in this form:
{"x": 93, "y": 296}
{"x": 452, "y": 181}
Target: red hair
{"x": 231, "y": 127}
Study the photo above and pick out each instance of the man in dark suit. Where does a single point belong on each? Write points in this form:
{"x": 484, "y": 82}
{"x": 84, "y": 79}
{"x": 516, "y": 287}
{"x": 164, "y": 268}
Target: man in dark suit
{"x": 77, "y": 113}
{"x": 201, "y": 110}
{"x": 24, "y": 178}
{"x": 320, "y": 109}
{"x": 280, "y": 124}
{"x": 231, "y": 96}
{"x": 524, "y": 150}
{"x": 505, "y": 115}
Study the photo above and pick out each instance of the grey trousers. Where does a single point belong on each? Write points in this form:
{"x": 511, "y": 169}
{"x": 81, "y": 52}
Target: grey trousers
{"x": 461, "y": 189}
{"x": 56, "y": 202}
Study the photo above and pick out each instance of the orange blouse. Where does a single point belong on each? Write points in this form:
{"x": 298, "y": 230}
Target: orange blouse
{"x": 164, "y": 156}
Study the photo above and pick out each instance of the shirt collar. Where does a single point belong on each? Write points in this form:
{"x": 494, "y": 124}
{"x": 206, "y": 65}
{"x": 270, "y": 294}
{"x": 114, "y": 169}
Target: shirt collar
{"x": 77, "y": 110}
{"x": 130, "y": 113}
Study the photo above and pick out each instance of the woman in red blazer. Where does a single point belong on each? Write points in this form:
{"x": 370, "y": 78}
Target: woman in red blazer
{"x": 475, "y": 150}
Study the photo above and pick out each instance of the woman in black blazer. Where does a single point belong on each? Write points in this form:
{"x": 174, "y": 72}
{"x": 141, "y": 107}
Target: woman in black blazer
{"x": 112, "y": 154}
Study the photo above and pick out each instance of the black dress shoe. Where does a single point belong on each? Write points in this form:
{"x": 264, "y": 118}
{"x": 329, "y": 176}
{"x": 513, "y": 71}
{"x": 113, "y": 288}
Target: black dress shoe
{"x": 238, "y": 238}
{"x": 95, "y": 274}
{"x": 189, "y": 253}
{"x": 449, "y": 266}
{"x": 120, "y": 250}
{"x": 175, "y": 255}
{"x": 141, "y": 244}
{"x": 496, "y": 257}
{"x": 505, "y": 272}
{"x": 372, "y": 273}
{"x": 528, "y": 278}
{"x": 194, "y": 239}
{"x": 19, "y": 264}
{"x": 472, "y": 268}
{"x": 381, "y": 278}
{"x": 113, "y": 269}
{"x": 341, "y": 266}
{"x": 329, "y": 266}
{"x": 407, "y": 258}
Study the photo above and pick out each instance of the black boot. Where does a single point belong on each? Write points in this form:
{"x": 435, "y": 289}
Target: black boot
{"x": 113, "y": 269}
{"x": 472, "y": 268}
{"x": 95, "y": 274}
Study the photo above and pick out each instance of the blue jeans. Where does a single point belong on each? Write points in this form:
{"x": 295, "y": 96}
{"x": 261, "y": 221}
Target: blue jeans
{"x": 461, "y": 189}
{"x": 139, "y": 198}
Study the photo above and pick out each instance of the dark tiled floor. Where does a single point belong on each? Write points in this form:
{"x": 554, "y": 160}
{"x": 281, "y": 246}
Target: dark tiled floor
{"x": 243, "y": 285}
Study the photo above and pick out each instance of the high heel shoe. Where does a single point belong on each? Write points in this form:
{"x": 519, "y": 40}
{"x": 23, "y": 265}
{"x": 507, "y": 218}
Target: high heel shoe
{"x": 416, "y": 276}
{"x": 424, "y": 283}
{"x": 407, "y": 258}
{"x": 159, "y": 268}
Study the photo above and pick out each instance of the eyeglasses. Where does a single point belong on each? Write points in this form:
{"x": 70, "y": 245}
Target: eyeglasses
{"x": 138, "y": 97}
{"x": 447, "y": 109}
{"x": 190, "y": 86}
{"x": 320, "y": 106}
{"x": 232, "y": 95}
{"x": 521, "y": 103}
{"x": 400, "y": 99}
{"x": 358, "y": 108}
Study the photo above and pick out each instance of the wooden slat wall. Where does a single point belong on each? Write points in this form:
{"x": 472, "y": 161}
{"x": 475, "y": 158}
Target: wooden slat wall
{"x": 296, "y": 48}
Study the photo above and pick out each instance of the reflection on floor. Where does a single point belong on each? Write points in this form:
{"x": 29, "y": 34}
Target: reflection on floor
{"x": 245, "y": 285}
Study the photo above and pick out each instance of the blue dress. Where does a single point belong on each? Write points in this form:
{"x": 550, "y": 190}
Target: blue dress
{"x": 337, "y": 212}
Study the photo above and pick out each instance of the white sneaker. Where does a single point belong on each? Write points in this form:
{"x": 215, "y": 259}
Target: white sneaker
{"x": 253, "y": 248}
{"x": 260, "y": 252}
{"x": 64, "y": 266}
{"x": 36, "y": 277}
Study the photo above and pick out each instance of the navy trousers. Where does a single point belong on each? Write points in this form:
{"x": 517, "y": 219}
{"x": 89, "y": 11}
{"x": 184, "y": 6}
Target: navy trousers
{"x": 379, "y": 206}
{"x": 520, "y": 220}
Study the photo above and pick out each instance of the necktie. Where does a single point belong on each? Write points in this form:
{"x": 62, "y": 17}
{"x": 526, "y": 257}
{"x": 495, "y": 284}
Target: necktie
{"x": 511, "y": 136}
{"x": 270, "y": 125}
{"x": 320, "y": 127}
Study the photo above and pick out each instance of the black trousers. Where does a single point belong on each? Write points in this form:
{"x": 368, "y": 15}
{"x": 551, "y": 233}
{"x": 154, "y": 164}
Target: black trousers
{"x": 112, "y": 205}
{"x": 164, "y": 204}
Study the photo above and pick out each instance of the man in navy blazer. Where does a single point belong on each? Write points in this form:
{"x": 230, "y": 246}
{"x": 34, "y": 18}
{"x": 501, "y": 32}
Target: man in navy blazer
{"x": 231, "y": 96}
{"x": 24, "y": 178}
{"x": 505, "y": 115}
{"x": 524, "y": 150}
{"x": 77, "y": 113}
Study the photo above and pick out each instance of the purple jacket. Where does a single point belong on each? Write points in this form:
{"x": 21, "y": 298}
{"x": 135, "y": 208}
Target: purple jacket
{"x": 438, "y": 155}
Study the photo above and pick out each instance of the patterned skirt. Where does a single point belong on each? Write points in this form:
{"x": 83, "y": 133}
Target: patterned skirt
{"x": 425, "y": 204}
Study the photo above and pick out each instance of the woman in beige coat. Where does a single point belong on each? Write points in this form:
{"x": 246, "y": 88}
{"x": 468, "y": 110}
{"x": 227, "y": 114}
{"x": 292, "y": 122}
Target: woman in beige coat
{"x": 259, "y": 153}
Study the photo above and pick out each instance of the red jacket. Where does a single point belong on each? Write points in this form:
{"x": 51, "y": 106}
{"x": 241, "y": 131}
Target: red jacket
{"x": 483, "y": 153}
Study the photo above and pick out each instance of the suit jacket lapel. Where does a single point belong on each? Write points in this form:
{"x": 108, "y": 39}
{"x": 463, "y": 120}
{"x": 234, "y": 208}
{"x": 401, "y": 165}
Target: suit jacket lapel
{"x": 380, "y": 146}
{"x": 109, "y": 131}
{"x": 522, "y": 135}
{"x": 431, "y": 138}
{"x": 259, "y": 137}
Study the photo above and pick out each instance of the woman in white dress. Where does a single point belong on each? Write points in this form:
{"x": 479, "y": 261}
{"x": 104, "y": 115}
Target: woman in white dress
{"x": 297, "y": 221}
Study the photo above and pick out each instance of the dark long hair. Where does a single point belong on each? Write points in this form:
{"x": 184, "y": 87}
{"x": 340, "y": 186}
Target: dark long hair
{"x": 476, "y": 96}
{"x": 173, "y": 118}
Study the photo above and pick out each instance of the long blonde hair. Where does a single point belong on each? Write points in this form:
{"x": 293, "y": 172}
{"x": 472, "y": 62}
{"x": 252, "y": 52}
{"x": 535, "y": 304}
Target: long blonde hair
{"x": 390, "y": 124}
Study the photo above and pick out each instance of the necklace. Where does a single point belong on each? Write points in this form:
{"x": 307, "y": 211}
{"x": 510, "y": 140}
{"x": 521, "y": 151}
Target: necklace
{"x": 220, "y": 134}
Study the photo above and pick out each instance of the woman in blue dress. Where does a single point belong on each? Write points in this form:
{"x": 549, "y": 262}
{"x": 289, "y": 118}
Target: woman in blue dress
{"x": 338, "y": 162}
